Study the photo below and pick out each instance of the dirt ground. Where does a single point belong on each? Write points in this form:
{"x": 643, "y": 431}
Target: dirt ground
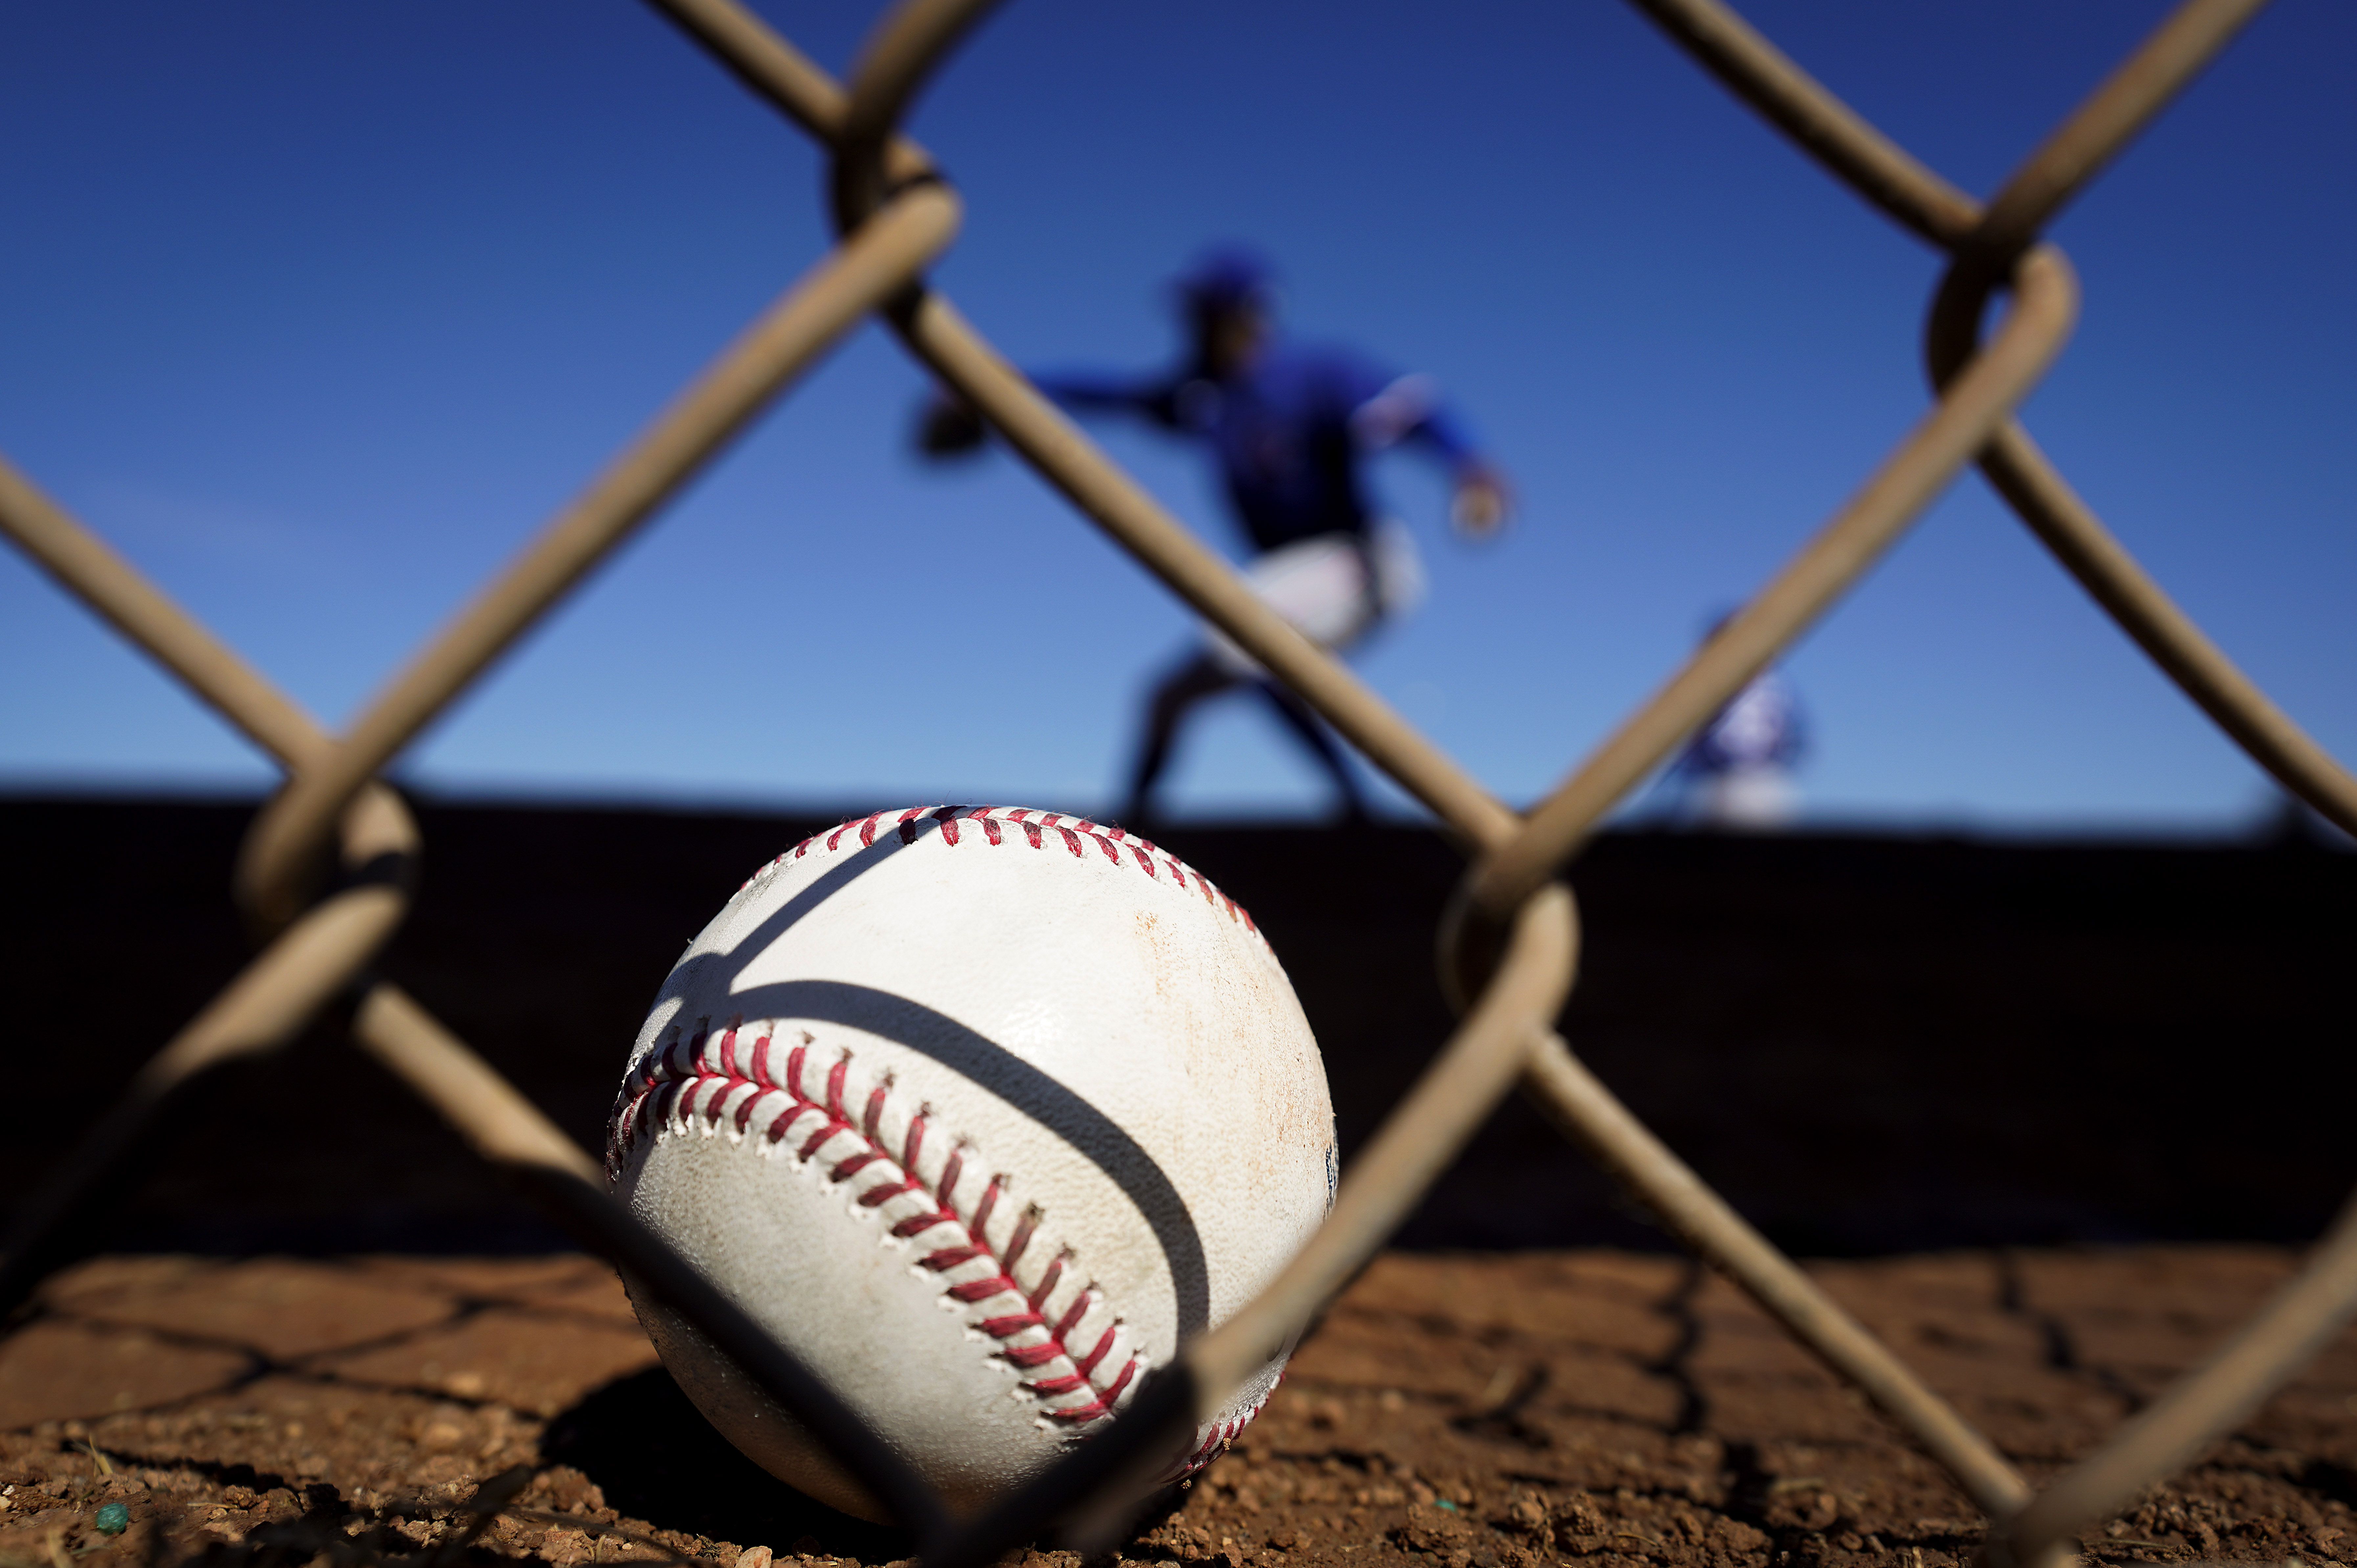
{"x": 1470, "y": 1411}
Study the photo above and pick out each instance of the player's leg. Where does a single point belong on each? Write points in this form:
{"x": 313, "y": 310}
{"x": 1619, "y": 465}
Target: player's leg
{"x": 1327, "y": 588}
{"x": 1314, "y": 735}
{"x": 1201, "y": 675}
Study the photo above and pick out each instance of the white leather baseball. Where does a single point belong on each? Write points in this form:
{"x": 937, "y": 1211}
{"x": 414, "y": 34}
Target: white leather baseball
{"x": 981, "y": 1112}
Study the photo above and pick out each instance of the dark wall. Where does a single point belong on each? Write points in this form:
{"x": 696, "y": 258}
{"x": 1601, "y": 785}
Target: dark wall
{"x": 1867, "y": 1043}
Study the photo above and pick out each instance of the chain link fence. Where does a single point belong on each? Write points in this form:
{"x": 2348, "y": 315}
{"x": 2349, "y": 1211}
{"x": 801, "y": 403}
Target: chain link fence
{"x": 324, "y": 875}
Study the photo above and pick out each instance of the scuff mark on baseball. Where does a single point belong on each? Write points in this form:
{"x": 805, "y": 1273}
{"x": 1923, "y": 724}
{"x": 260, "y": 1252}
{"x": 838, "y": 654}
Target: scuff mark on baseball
{"x": 983, "y": 1113}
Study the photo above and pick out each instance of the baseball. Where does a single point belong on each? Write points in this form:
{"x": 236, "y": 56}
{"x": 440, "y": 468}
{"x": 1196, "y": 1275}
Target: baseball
{"x": 983, "y": 1113}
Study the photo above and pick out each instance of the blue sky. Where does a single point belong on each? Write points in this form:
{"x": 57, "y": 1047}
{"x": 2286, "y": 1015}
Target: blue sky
{"x": 317, "y": 312}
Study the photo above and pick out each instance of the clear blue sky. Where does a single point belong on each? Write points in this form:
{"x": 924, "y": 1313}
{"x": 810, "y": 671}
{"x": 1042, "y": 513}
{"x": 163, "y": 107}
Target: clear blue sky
{"x": 317, "y": 311}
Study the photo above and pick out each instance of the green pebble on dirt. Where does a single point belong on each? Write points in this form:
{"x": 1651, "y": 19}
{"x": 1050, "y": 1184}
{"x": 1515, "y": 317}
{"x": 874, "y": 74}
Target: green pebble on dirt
{"x": 113, "y": 1518}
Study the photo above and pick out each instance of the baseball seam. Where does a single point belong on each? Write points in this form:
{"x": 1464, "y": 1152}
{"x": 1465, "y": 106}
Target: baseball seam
{"x": 1216, "y": 1435}
{"x": 1072, "y": 832}
{"x": 682, "y": 1076}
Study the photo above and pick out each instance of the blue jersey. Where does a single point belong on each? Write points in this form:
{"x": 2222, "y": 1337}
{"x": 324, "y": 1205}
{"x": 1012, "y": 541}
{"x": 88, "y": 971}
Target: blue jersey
{"x": 1759, "y": 727}
{"x": 1289, "y": 431}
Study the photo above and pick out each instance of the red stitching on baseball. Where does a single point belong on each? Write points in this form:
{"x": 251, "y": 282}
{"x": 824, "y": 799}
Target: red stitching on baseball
{"x": 827, "y": 1129}
{"x": 989, "y": 1201}
{"x": 1021, "y": 1239}
{"x": 1033, "y": 825}
{"x": 1024, "y": 1356}
{"x": 674, "y": 1075}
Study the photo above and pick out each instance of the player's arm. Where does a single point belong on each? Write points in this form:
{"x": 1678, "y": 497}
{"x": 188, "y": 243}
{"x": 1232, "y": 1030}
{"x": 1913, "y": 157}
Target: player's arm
{"x": 1409, "y": 409}
{"x": 949, "y": 426}
{"x": 1083, "y": 393}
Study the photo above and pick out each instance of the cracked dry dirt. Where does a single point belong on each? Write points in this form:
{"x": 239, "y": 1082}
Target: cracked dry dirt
{"x": 1476, "y": 1410}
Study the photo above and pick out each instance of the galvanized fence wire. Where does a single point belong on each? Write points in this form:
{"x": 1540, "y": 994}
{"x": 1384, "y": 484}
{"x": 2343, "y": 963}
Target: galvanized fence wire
{"x": 324, "y": 875}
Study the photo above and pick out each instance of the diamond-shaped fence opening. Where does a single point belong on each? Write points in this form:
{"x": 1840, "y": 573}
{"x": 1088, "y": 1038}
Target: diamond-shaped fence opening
{"x": 324, "y": 873}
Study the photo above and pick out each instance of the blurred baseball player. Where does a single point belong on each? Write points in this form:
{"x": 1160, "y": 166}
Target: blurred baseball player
{"x": 1736, "y": 771}
{"x": 1291, "y": 427}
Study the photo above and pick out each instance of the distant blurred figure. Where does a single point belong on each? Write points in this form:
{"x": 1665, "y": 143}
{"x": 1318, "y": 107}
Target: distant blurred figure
{"x": 1291, "y": 427}
{"x": 1737, "y": 772}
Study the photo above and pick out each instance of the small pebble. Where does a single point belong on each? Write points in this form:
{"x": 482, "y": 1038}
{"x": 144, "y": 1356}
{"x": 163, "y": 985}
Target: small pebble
{"x": 113, "y": 1518}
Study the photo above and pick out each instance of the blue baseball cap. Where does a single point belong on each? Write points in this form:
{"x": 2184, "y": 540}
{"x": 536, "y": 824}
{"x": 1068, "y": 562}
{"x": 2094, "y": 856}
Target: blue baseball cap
{"x": 1226, "y": 277}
